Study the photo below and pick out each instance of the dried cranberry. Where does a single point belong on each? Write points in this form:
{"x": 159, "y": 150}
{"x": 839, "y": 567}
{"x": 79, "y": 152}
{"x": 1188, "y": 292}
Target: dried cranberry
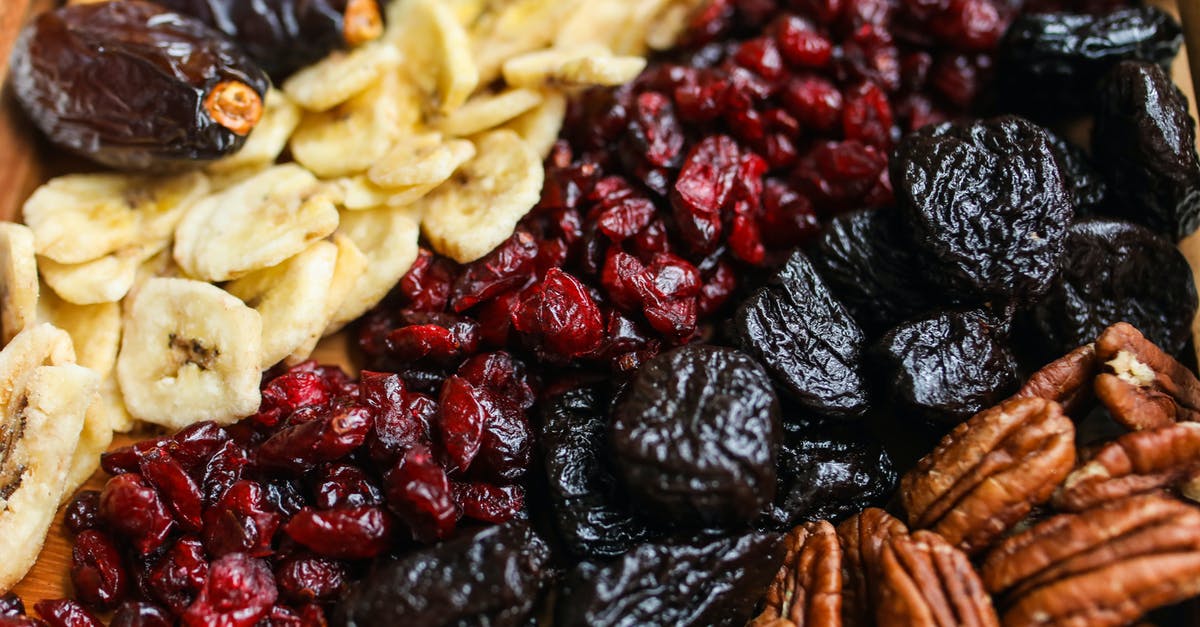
{"x": 402, "y": 419}
{"x": 177, "y": 577}
{"x": 97, "y": 575}
{"x": 240, "y": 522}
{"x": 654, "y": 136}
{"x": 287, "y": 393}
{"x": 489, "y": 503}
{"x": 463, "y": 411}
{"x": 134, "y": 510}
{"x": 310, "y": 578}
{"x": 704, "y": 183}
{"x": 343, "y": 485}
{"x": 505, "y": 445}
{"x": 65, "y": 613}
{"x": 342, "y": 533}
{"x": 867, "y": 116}
{"x": 814, "y": 101}
{"x": 11, "y": 605}
{"x": 560, "y": 318}
{"x": 238, "y": 592}
{"x": 761, "y": 55}
{"x": 82, "y": 513}
{"x": 668, "y": 290}
{"x": 223, "y": 469}
{"x": 125, "y": 459}
{"x": 21, "y": 621}
{"x": 141, "y": 614}
{"x": 193, "y": 445}
{"x": 161, "y": 470}
{"x": 418, "y": 491}
{"x": 329, "y": 436}
{"x": 801, "y": 43}
{"x": 427, "y": 284}
{"x": 287, "y": 496}
{"x": 510, "y": 266}
{"x": 501, "y": 374}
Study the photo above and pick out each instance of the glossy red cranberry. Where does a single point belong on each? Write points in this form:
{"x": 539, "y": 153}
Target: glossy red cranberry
{"x": 238, "y": 592}
{"x": 11, "y": 605}
{"x": 510, "y": 266}
{"x": 21, "y": 621}
{"x": 97, "y": 574}
{"x": 288, "y": 392}
{"x": 418, "y": 491}
{"x": 974, "y": 25}
{"x": 310, "y": 578}
{"x": 700, "y": 192}
{"x": 654, "y": 136}
{"x": 505, "y": 445}
{"x": 134, "y": 510}
{"x": 342, "y": 533}
{"x": 125, "y": 459}
{"x": 489, "y": 503}
{"x": 401, "y": 418}
{"x": 443, "y": 342}
{"x": 178, "y": 575}
{"x": 427, "y": 285}
{"x": 867, "y": 116}
{"x": 802, "y": 43}
{"x": 762, "y": 56}
{"x": 309, "y": 615}
{"x": 195, "y": 444}
{"x": 330, "y": 435}
{"x": 343, "y": 485}
{"x": 501, "y": 374}
{"x": 178, "y": 490}
{"x": 242, "y": 521}
{"x": 83, "y": 512}
{"x": 141, "y": 614}
{"x": 560, "y": 318}
{"x": 65, "y": 613}
{"x": 844, "y": 175}
{"x": 223, "y": 470}
{"x": 463, "y": 410}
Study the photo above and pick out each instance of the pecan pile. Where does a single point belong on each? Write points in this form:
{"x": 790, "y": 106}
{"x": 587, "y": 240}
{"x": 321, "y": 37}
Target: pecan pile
{"x": 1016, "y": 518}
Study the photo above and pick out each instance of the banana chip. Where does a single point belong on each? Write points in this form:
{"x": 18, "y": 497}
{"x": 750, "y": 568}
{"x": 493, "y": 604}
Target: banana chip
{"x": 95, "y": 330}
{"x": 595, "y": 23}
{"x": 341, "y": 76}
{"x": 112, "y": 404}
{"x": 535, "y": 69}
{"x": 468, "y": 217}
{"x": 190, "y": 351}
{"x": 291, "y": 298}
{"x": 421, "y": 160}
{"x": 539, "y": 127}
{"x": 515, "y": 28}
{"x": 94, "y": 439}
{"x": 103, "y": 280}
{"x": 488, "y": 111}
{"x": 253, "y": 225}
{"x": 18, "y": 280}
{"x": 437, "y": 51}
{"x": 357, "y": 193}
{"x": 351, "y": 265}
{"x": 603, "y": 71}
{"x": 388, "y": 238}
{"x": 267, "y": 140}
{"x": 81, "y": 217}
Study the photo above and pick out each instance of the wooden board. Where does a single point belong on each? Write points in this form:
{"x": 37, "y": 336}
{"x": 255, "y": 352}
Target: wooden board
{"x": 25, "y": 162}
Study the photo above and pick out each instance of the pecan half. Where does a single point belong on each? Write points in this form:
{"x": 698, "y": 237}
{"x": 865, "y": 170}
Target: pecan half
{"x": 807, "y": 590}
{"x": 1066, "y": 380}
{"x": 863, "y": 537}
{"x": 1143, "y": 387}
{"x": 990, "y": 471}
{"x": 1104, "y": 566}
{"x": 926, "y": 581}
{"x": 1135, "y": 463}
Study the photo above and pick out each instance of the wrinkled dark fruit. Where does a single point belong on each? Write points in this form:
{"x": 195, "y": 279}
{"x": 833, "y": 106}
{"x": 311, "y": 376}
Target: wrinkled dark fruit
{"x": 238, "y": 592}
{"x": 677, "y": 583}
{"x": 591, "y": 511}
{"x": 97, "y": 574}
{"x": 807, "y": 340}
{"x": 947, "y": 367}
{"x": 132, "y": 85}
{"x": 83, "y": 512}
{"x": 1089, "y": 191}
{"x": 695, "y": 437}
{"x": 11, "y": 605}
{"x": 1113, "y": 272}
{"x": 1145, "y": 143}
{"x": 134, "y": 510}
{"x": 493, "y": 577}
{"x": 306, "y": 579}
{"x": 1051, "y": 62}
{"x": 985, "y": 205}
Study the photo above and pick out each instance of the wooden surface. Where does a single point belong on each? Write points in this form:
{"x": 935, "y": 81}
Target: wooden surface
{"x": 25, "y": 162}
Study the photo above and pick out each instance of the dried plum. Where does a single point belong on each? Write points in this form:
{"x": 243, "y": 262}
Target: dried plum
{"x": 985, "y": 206}
{"x": 592, "y": 516}
{"x": 134, "y": 86}
{"x": 674, "y": 584}
{"x": 695, "y": 437}
{"x": 1085, "y": 183}
{"x": 1145, "y": 143}
{"x": 1052, "y": 61}
{"x": 867, "y": 264}
{"x": 808, "y": 341}
{"x": 949, "y": 366}
{"x": 491, "y": 577}
{"x": 1114, "y": 271}
{"x": 285, "y": 35}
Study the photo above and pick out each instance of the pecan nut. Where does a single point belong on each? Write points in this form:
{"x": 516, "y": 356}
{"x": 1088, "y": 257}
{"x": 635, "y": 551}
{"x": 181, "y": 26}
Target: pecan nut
{"x": 1143, "y": 387}
{"x": 863, "y": 537}
{"x": 1066, "y": 380}
{"x": 1135, "y": 463}
{"x": 1104, "y": 566}
{"x": 807, "y": 590}
{"x": 989, "y": 472}
{"x": 926, "y": 581}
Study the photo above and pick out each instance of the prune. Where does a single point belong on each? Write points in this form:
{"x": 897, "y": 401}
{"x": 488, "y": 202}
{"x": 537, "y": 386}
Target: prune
{"x": 1087, "y": 186}
{"x": 285, "y": 35}
{"x": 1053, "y": 60}
{"x": 677, "y": 584}
{"x": 695, "y": 437}
{"x": 593, "y": 517}
{"x": 807, "y": 340}
{"x": 867, "y": 265}
{"x": 491, "y": 577}
{"x": 1145, "y": 143}
{"x": 947, "y": 367}
{"x": 1111, "y": 272}
{"x": 132, "y": 85}
{"x": 985, "y": 205}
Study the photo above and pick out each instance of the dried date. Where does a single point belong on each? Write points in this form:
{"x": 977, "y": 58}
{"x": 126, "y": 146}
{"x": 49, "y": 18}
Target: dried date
{"x": 1089, "y": 190}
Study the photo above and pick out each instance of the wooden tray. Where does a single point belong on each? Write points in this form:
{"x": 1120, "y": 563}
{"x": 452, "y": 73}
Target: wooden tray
{"x": 26, "y": 161}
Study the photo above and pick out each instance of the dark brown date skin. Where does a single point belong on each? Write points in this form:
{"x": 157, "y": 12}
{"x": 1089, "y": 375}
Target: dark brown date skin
{"x": 133, "y": 86}
{"x": 285, "y": 35}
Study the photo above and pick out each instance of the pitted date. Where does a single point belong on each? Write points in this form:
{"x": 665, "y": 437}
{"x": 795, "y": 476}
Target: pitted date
{"x": 1087, "y": 186}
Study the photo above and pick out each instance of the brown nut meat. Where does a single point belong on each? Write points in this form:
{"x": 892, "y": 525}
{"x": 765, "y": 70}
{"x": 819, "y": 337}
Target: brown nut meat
{"x": 862, "y": 537}
{"x": 1104, "y": 566}
{"x": 1135, "y": 463}
{"x": 1142, "y": 386}
{"x": 926, "y": 581}
{"x": 989, "y": 472}
{"x": 1066, "y": 380}
{"x": 807, "y": 590}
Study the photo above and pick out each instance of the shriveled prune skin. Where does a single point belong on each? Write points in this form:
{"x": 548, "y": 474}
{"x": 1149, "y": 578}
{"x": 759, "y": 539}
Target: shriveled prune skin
{"x": 491, "y": 577}
{"x": 1089, "y": 191}
{"x": 592, "y": 515}
{"x": 674, "y": 584}
{"x": 985, "y": 206}
{"x": 695, "y": 437}
{"x": 285, "y": 35}
{"x": 1145, "y": 143}
{"x": 949, "y": 366}
{"x": 1054, "y": 60}
{"x": 807, "y": 339}
{"x": 133, "y": 86}
{"x": 865, "y": 261}
{"x": 1114, "y": 271}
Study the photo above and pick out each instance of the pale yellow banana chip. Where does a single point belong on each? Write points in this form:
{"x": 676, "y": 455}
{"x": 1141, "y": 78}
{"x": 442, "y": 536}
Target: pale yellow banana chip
{"x": 351, "y": 265}
{"x": 94, "y": 439}
{"x": 514, "y": 28}
{"x": 253, "y": 225}
{"x": 103, "y": 280}
{"x": 341, "y": 76}
{"x": 476, "y": 211}
{"x": 221, "y": 181}
{"x": 267, "y": 140}
{"x": 603, "y": 71}
{"x": 437, "y": 51}
{"x": 190, "y": 351}
{"x": 81, "y": 217}
{"x": 540, "y": 126}
{"x": 388, "y": 238}
{"x": 357, "y": 193}
{"x": 467, "y": 11}
{"x": 291, "y": 298}
{"x": 18, "y": 280}
{"x": 352, "y": 136}
{"x": 161, "y": 265}
{"x": 420, "y": 160}
{"x": 668, "y": 26}
{"x": 113, "y": 405}
{"x": 595, "y": 23}
{"x": 95, "y": 330}
{"x": 535, "y": 69}
{"x": 488, "y": 111}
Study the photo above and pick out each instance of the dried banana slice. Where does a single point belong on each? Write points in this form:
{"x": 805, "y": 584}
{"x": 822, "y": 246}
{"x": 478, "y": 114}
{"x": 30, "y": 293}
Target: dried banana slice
{"x": 81, "y": 217}
{"x": 535, "y": 69}
{"x": 161, "y": 265}
{"x": 18, "y": 280}
{"x": 352, "y": 136}
{"x": 540, "y": 126}
{"x": 468, "y": 217}
{"x": 666, "y": 27}
{"x": 488, "y": 111}
{"x": 357, "y": 193}
{"x": 95, "y": 330}
{"x": 341, "y": 76}
{"x": 255, "y": 224}
{"x": 516, "y": 28}
{"x": 267, "y": 140}
{"x": 603, "y": 71}
{"x": 420, "y": 160}
{"x": 437, "y": 51}
{"x": 113, "y": 405}
{"x": 388, "y": 238}
{"x": 291, "y": 299}
{"x": 103, "y": 280}
{"x": 94, "y": 439}
{"x": 466, "y": 10}
{"x": 190, "y": 351}
{"x": 351, "y": 266}
{"x": 595, "y": 23}
{"x": 42, "y": 416}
